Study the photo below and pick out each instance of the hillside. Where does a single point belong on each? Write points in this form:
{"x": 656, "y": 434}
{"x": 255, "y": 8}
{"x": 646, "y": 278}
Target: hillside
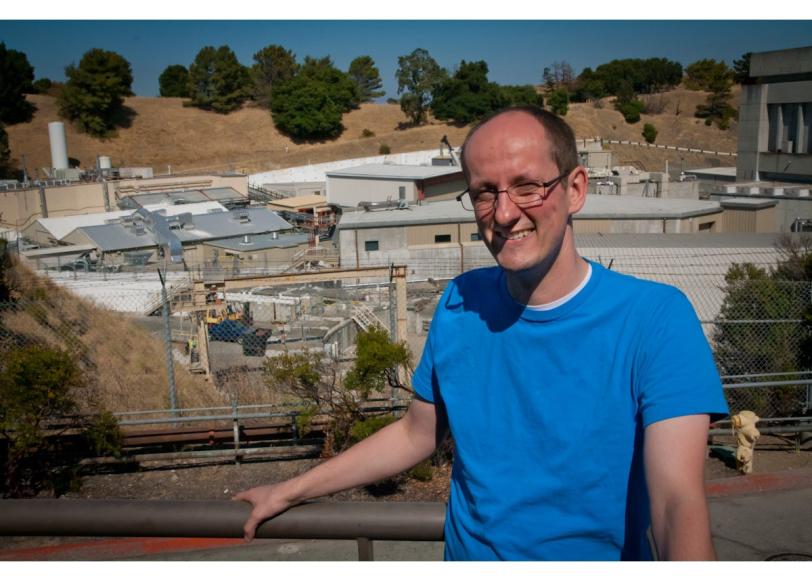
{"x": 124, "y": 365}
{"x": 163, "y": 132}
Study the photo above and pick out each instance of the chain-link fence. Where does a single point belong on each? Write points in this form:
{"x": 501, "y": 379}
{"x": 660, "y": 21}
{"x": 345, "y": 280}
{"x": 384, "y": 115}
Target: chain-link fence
{"x": 756, "y": 329}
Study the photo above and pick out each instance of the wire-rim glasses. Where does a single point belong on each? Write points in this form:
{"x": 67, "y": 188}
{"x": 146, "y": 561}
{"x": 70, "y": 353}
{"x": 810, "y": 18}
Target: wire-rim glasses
{"x": 524, "y": 195}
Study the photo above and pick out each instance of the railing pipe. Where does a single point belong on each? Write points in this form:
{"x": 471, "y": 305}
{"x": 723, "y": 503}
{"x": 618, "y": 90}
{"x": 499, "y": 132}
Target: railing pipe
{"x": 395, "y": 521}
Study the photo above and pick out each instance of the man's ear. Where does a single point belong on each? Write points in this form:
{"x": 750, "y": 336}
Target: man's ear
{"x": 577, "y": 185}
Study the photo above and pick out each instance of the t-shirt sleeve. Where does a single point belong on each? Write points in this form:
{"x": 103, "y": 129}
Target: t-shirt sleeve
{"x": 677, "y": 375}
{"x": 424, "y": 379}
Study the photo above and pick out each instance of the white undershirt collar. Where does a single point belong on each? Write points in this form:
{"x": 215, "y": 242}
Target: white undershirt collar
{"x": 569, "y": 296}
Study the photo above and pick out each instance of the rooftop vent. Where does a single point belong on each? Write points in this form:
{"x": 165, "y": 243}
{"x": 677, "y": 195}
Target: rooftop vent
{"x": 246, "y": 241}
{"x": 243, "y": 217}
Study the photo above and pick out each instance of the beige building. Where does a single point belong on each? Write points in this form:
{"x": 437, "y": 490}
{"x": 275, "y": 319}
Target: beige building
{"x": 19, "y": 208}
{"x": 381, "y": 182}
{"x": 441, "y": 238}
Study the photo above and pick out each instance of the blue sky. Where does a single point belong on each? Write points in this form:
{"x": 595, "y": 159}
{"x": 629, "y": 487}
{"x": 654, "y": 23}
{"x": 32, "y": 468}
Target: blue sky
{"x": 516, "y": 51}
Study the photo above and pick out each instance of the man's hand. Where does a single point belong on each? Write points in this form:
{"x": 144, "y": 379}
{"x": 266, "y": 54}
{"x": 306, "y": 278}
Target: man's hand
{"x": 267, "y": 501}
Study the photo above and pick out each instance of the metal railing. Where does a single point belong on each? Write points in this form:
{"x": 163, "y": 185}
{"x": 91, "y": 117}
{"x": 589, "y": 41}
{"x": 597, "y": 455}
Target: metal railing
{"x": 363, "y": 522}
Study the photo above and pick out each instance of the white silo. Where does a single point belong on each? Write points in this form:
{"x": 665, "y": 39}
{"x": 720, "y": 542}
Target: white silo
{"x": 105, "y": 162}
{"x": 59, "y": 145}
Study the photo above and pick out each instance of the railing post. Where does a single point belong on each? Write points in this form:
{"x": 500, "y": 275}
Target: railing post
{"x": 236, "y": 428}
{"x": 365, "y": 551}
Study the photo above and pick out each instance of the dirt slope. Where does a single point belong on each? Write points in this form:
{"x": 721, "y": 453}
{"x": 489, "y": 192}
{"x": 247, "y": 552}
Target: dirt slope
{"x": 163, "y": 132}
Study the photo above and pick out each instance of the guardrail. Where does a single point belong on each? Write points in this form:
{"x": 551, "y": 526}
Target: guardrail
{"x": 363, "y": 522}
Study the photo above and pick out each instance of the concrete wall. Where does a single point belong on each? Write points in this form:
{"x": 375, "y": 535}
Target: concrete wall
{"x": 346, "y": 191}
{"x": 443, "y": 187}
{"x": 711, "y": 223}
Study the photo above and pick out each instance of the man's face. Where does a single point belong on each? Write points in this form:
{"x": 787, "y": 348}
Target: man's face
{"x": 506, "y": 151}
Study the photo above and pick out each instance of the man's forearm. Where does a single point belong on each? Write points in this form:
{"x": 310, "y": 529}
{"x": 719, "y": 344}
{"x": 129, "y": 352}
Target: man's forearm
{"x": 682, "y": 532}
{"x": 388, "y": 452}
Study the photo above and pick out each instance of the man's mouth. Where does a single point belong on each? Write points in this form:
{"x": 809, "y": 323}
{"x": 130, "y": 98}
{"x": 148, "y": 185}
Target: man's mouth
{"x": 514, "y": 235}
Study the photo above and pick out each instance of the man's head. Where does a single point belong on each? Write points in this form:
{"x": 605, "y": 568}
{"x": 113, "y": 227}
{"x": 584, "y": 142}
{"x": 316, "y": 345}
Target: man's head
{"x": 516, "y": 146}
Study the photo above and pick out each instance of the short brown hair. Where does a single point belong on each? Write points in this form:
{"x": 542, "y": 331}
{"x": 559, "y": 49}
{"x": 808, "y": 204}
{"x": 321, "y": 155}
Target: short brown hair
{"x": 560, "y": 135}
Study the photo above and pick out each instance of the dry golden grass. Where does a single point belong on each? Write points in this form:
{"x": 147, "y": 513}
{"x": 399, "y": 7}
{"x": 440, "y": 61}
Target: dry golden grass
{"x": 124, "y": 364}
{"x": 164, "y": 133}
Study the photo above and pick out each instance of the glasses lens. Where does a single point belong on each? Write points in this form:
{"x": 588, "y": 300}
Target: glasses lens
{"x": 465, "y": 200}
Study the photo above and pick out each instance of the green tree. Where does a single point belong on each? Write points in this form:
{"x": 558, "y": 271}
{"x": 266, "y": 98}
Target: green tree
{"x": 93, "y": 96}
{"x": 174, "y": 81}
{"x": 43, "y": 85}
{"x": 588, "y": 87}
{"x": 628, "y": 104}
{"x": 558, "y": 102}
{"x": 318, "y": 381}
{"x": 273, "y": 64}
{"x": 717, "y": 107}
{"x": 744, "y": 345}
{"x": 417, "y": 74}
{"x": 16, "y": 78}
{"x": 312, "y": 103}
{"x": 521, "y": 95}
{"x": 368, "y": 78}
{"x": 217, "y": 80}
{"x": 741, "y": 69}
{"x": 468, "y": 95}
{"x": 6, "y": 171}
{"x": 37, "y": 387}
{"x": 649, "y": 133}
{"x": 704, "y": 74}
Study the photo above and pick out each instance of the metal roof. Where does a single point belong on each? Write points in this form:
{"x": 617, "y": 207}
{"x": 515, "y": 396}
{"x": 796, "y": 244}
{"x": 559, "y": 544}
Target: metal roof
{"x": 596, "y": 207}
{"x": 188, "y": 196}
{"x": 299, "y": 201}
{"x": 392, "y": 171}
{"x": 117, "y": 237}
{"x": 61, "y": 226}
{"x": 260, "y": 242}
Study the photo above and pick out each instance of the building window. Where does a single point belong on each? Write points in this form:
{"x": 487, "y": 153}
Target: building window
{"x": 440, "y": 238}
{"x": 401, "y": 193}
{"x": 475, "y": 237}
{"x": 706, "y": 227}
{"x": 370, "y": 245}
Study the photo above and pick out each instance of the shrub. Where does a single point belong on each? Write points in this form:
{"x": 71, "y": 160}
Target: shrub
{"x": 37, "y": 388}
{"x": 649, "y": 133}
{"x": 384, "y": 149}
{"x": 559, "y": 102}
{"x": 630, "y": 109}
{"x": 367, "y": 133}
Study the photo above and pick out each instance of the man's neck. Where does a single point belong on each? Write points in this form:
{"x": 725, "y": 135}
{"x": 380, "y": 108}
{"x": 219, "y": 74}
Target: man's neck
{"x": 550, "y": 281}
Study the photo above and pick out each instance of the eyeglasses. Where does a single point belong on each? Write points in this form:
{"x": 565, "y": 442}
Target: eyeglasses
{"x": 524, "y": 195}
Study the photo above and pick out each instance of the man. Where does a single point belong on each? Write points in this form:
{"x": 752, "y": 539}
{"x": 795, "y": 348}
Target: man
{"x": 578, "y": 398}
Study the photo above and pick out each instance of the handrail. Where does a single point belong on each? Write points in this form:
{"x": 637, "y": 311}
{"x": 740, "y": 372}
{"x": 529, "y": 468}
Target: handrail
{"x": 393, "y": 521}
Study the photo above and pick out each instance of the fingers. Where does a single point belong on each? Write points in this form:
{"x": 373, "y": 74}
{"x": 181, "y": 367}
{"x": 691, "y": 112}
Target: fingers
{"x": 250, "y": 528}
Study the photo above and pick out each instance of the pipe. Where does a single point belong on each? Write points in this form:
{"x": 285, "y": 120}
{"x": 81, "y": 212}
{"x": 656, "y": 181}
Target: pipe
{"x": 396, "y": 521}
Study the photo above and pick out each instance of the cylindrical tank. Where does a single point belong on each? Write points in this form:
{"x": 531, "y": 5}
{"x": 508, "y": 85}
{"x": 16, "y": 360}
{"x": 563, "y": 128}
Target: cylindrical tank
{"x": 104, "y": 162}
{"x": 59, "y": 145}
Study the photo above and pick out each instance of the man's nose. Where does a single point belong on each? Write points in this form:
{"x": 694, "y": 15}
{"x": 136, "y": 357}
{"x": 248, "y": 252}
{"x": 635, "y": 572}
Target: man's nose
{"x": 506, "y": 211}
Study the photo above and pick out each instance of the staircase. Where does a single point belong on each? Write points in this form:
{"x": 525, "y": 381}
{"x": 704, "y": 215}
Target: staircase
{"x": 365, "y": 318}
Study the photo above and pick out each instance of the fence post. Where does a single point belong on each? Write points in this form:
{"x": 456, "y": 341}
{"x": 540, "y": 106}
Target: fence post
{"x": 170, "y": 367}
{"x": 236, "y": 429}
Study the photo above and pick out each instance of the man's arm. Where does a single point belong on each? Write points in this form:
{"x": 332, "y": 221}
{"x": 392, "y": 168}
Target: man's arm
{"x": 391, "y": 450}
{"x": 674, "y": 456}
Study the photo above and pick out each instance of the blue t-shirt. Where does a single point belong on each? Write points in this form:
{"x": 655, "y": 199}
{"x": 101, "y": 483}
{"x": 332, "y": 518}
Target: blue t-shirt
{"x": 547, "y": 411}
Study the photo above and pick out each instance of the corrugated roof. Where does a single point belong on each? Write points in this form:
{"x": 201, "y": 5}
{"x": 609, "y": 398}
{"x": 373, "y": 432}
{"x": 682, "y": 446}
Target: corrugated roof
{"x": 116, "y": 237}
{"x": 392, "y": 171}
{"x": 61, "y": 226}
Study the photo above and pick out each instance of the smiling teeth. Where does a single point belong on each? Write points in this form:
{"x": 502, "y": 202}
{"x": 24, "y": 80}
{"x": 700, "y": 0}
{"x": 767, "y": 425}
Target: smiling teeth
{"x": 517, "y": 235}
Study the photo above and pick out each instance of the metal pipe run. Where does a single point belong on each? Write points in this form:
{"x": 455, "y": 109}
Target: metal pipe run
{"x": 768, "y": 383}
{"x": 394, "y": 521}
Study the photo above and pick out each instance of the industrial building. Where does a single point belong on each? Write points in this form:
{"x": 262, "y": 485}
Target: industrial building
{"x": 196, "y": 240}
{"x": 381, "y": 182}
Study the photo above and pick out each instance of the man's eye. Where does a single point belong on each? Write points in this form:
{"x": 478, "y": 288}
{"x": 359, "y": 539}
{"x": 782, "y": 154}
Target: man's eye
{"x": 526, "y": 189}
{"x": 485, "y": 194}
